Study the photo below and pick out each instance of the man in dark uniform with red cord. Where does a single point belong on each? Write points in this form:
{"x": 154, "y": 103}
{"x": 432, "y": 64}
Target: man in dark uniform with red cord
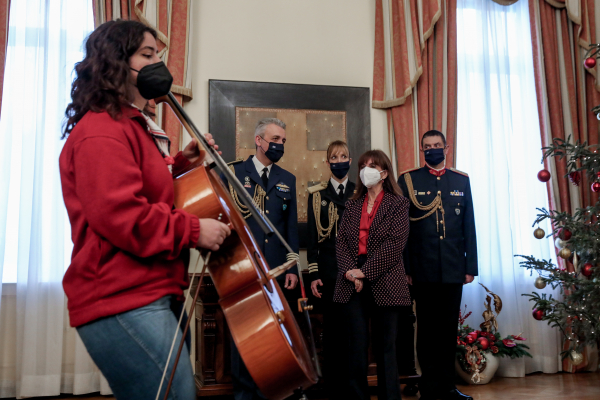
{"x": 440, "y": 257}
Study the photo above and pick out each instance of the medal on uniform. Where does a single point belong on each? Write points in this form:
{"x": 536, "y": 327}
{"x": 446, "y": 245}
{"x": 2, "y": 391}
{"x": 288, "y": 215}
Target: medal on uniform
{"x": 247, "y": 183}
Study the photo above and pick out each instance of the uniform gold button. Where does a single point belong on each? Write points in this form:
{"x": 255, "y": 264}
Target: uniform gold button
{"x": 267, "y": 211}
{"x": 441, "y": 237}
{"x": 267, "y": 197}
{"x": 439, "y": 178}
{"x": 441, "y": 222}
{"x": 267, "y": 240}
{"x": 439, "y": 192}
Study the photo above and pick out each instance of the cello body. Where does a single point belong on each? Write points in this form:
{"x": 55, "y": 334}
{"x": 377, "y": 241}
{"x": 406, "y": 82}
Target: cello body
{"x": 261, "y": 322}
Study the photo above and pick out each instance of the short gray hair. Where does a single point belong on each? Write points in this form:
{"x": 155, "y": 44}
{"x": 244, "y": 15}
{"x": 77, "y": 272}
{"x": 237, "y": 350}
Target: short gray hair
{"x": 263, "y": 123}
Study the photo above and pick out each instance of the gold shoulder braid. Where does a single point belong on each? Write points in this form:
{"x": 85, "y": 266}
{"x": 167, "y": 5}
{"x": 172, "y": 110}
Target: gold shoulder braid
{"x": 324, "y": 233}
{"x": 435, "y": 206}
{"x": 258, "y": 199}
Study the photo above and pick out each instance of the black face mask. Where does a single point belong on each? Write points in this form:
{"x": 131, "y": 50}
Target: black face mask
{"x": 154, "y": 80}
{"x": 434, "y": 157}
{"x": 274, "y": 152}
{"x": 340, "y": 169}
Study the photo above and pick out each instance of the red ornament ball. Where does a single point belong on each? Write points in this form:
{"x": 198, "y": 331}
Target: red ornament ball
{"x": 596, "y": 187}
{"x": 575, "y": 178}
{"x": 544, "y": 175}
{"x": 470, "y": 339}
{"x": 590, "y": 62}
{"x": 587, "y": 269}
{"x": 538, "y": 314}
{"x": 484, "y": 343}
{"x": 565, "y": 234}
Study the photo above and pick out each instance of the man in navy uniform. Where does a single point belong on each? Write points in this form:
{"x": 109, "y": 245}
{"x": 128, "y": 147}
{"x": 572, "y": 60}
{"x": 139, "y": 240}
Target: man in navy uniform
{"x": 440, "y": 257}
{"x": 274, "y": 191}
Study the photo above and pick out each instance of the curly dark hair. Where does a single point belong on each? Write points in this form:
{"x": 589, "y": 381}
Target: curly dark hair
{"x": 102, "y": 76}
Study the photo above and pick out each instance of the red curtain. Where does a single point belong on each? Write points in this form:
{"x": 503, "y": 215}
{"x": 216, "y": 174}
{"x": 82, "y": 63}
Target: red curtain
{"x": 566, "y": 92}
{"x": 4, "y": 14}
{"x": 415, "y": 74}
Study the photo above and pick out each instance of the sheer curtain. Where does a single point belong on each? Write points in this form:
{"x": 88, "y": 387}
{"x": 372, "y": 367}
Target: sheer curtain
{"x": 498, "y": 144}
{"x": 39, "y": 354}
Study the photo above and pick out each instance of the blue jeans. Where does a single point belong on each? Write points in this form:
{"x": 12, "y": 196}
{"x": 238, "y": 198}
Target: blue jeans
{"x": 131, "y": 350}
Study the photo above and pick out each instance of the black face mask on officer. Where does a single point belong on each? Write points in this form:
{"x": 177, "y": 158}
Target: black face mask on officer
{"x": 274, "y": 152}
{"x": 340, "y": 169}
{"x": 154, "y": 80}
{"x": 434, "y": 156}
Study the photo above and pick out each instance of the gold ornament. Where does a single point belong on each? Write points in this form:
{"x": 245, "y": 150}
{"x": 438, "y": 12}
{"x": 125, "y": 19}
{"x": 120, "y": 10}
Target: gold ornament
{"x": 539, "y": 283}
{"x": 576, "y": 358}
{"x": 565, "y": 253}
{"x": 539, "y": 233}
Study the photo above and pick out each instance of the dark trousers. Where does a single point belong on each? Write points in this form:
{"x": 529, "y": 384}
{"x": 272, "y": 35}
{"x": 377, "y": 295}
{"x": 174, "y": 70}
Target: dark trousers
{"x": 384, "y": 321}
{"x": 332, "y": 350}
{"x": 438, "y": 305}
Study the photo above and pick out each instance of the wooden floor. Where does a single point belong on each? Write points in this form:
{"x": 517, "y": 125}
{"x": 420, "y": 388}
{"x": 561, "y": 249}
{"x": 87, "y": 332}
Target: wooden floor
{"x": 582, "y": 386}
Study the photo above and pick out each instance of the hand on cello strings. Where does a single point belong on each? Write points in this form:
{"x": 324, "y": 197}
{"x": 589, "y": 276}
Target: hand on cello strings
{"x": 212, "y": 232}
{"x": 192, "y": 150}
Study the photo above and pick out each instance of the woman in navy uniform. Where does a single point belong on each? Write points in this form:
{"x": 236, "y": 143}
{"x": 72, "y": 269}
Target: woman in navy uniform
{"x": 326, "y": 205}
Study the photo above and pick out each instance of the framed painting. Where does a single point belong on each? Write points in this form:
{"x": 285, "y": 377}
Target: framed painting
{"x": 315, "y": 116}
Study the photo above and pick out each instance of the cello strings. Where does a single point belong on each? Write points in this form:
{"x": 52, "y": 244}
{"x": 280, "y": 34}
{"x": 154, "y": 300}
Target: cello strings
{"x": 187, "y": 297}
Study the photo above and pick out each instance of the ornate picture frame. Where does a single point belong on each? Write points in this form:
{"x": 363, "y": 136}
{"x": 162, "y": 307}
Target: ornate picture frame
{"x": 226, "y": 96}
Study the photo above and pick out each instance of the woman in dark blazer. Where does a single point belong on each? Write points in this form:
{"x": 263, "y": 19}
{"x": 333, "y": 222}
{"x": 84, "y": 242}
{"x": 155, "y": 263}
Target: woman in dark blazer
{"x": 371, "y": 283}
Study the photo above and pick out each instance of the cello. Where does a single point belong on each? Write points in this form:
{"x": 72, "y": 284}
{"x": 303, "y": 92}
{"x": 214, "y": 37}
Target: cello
{"x": 261, "y": 322}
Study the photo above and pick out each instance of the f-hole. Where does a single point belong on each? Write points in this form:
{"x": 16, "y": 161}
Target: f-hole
{"x": 263, "y": 275}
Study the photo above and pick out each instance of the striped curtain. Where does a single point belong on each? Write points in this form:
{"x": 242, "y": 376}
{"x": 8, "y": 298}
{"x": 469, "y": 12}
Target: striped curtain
{"x": 171, "y": 20}
{"x": 561, "y": 32}
{"x": 414, "y": 76}
{"x": 4, "y": 13}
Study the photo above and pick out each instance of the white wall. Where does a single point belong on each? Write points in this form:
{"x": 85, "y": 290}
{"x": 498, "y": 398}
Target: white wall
{"x": 322, "y": 42}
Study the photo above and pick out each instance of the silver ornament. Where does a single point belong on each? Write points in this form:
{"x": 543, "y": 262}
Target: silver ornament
{"x": 576, "y": 358}
{"x": 559, "y": 243}
{"x": 539, "y": 283}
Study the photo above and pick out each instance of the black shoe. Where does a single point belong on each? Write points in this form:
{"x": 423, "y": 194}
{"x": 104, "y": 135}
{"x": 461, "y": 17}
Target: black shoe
{"x": 455, "y": 394}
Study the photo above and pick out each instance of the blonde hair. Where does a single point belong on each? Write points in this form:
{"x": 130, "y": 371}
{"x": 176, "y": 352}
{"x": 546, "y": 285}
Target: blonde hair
{"x": 336, "y": 145}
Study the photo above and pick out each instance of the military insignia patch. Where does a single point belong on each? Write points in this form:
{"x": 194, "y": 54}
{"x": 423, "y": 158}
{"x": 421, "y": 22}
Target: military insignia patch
{"x": 284, "y": 207}
{"x": 457, "y": 211}
{"x": 247, "y": 179}
{"x": 323, "y": 203}
{"x": 282, "y": 187}
{"x": 428, "y": 193}
{"x": 248, "y": 185}
{"x": 416, "y": 192}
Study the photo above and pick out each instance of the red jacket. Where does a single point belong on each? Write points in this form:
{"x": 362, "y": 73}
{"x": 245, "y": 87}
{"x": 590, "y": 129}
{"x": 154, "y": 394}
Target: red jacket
{"x": 384, "y": 268}
{"x": 130, "y": 245}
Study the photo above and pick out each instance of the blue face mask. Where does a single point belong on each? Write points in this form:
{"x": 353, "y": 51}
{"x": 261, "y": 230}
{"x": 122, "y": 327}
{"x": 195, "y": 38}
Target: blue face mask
{"x": 340, "y": 169}
{"x": 274, "y": 152}
{"x": 434, "y": 157}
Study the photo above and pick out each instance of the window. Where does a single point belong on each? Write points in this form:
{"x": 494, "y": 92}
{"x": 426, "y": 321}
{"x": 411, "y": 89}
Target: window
{"x": 44, "y": 43}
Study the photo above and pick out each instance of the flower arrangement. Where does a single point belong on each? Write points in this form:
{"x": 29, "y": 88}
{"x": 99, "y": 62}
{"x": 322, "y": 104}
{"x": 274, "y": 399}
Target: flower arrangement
{"x": 472, "y": 345}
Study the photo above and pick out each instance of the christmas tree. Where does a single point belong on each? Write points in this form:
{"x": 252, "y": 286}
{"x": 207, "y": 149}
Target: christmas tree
{"x": 577, "y": 312}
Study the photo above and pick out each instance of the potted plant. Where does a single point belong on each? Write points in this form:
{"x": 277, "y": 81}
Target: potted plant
{"x": 477, "y": 350}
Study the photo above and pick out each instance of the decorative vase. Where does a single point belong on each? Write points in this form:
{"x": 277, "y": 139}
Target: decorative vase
{"x": 479, "y": 374}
